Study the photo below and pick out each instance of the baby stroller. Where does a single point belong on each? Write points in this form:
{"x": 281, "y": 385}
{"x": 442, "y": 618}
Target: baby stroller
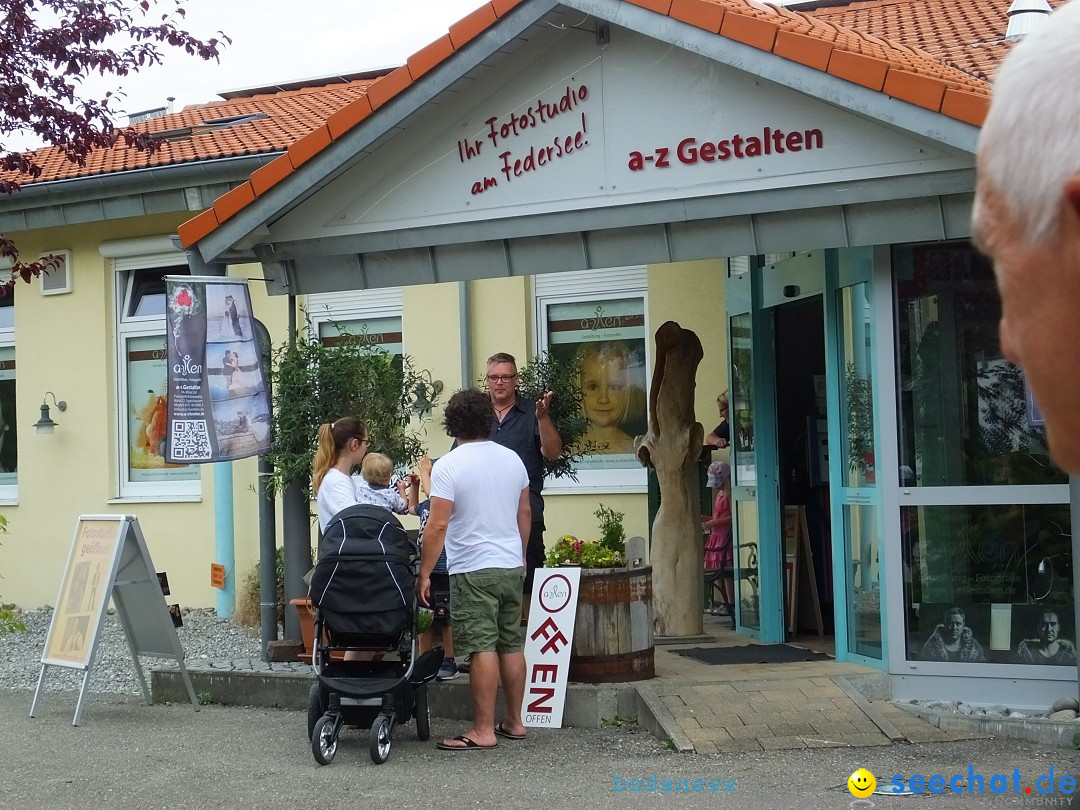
{"x": 363, "y": 591}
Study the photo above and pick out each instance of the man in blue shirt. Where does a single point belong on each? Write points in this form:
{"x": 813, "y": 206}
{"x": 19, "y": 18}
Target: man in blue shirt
{"x": 525, "y": 427}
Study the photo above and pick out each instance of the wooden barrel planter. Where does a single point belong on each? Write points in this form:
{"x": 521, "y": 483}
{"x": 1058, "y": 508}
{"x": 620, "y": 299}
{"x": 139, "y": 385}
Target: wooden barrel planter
{"x": 613, "y": 633}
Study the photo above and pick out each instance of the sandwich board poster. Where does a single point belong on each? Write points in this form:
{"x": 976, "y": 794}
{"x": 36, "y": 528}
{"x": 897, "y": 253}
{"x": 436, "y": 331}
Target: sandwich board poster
{"x": 218, "y": 402}
{"x": 84, "y": 592}
{"x": 552, "y": 616}
{"x": 109, "y": 560}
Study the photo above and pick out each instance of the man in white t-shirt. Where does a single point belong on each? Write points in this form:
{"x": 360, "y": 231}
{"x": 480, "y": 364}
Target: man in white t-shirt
{"x": 480, "y": 511}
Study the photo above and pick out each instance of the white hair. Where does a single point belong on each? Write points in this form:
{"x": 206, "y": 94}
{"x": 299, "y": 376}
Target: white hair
{"x": 1030, "y": 143}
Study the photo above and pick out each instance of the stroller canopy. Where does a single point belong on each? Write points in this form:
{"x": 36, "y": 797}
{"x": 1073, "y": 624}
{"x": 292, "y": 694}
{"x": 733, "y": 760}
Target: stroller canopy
{"x": 363, "y": 581}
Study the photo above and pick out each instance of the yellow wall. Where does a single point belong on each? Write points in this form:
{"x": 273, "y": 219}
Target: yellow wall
{"x": 500, "y": 319}
{"x": 431, "y": 325}
{"x": 573, "y": 514}
{"x": 692, "y": 293}
{"x": 66, "y": 344}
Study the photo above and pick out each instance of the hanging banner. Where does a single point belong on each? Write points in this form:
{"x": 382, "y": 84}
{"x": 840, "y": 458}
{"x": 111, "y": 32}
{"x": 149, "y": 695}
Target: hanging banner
{"x": 218, "y": 408}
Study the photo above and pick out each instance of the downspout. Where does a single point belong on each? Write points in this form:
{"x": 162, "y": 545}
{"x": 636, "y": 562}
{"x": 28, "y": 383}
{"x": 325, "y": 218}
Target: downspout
{"x": 296, "y": 530}
{"x": 465, "y": 334}
{"x": 268, "y": 605}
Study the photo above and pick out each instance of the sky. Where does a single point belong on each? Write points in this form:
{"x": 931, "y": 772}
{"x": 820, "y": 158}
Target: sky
{"x": 282, "y": 40}
{"x": 285, "y": 40}
{"x": 279, "y": 41}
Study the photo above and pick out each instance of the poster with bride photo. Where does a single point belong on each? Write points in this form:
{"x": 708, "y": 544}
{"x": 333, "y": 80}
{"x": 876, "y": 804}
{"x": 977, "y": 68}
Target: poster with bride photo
{"x": 218, "y": 404}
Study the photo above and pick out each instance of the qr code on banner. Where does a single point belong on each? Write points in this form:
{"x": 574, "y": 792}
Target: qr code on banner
{"x": 190, "y": 440}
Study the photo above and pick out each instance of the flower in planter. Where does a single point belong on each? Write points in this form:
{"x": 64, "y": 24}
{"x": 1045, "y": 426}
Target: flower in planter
{"x": 571, "y": 551}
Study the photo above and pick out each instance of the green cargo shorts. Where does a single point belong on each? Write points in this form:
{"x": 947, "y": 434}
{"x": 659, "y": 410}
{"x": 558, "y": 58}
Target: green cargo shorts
{"x": 485, "y": 610}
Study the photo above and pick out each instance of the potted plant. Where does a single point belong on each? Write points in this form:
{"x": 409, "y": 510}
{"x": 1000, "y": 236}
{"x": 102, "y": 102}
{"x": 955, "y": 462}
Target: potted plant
{"x": 860, "y": 416}
{"x": 316, "y": 381}
{"x": 613, "y": 635}
{"x": 607, "y": 552}
{"x": 563, "y": 378}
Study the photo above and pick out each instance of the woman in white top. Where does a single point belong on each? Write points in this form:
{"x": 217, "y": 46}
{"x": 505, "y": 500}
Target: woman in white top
{"x": 342, "y": 446}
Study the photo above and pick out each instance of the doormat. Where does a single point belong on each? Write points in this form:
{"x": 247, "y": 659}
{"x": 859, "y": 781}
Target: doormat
{"x": 753, "y": 654}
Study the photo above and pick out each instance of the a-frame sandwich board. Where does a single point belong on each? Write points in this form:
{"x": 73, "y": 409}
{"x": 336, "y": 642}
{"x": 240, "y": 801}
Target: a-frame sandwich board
{"x": 109, "y": 558}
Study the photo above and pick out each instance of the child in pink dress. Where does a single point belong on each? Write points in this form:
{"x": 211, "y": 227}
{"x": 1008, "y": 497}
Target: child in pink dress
{"x": 719, "y": 554}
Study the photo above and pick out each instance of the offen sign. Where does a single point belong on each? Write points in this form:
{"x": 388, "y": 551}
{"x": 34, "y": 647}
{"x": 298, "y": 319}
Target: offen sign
{"x": 552, "y": 616}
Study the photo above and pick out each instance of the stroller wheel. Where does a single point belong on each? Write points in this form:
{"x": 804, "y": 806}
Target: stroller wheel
{"x": 324, "y": 740}
{"x": 421, "y": 713}
{"x": 380, "y": 741}
{"x": 316, "y": 708}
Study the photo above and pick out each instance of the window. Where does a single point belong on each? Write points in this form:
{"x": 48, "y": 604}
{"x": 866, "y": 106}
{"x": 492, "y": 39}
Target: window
{"x": 989, "y": 584}
{"x": 373, "y": 316}
{"x": 9, "y": 434}
{"x": 984, "y": 515}
{"x": 966, "y": 415}
{"x": 599, "y": 318}
{"x": 142, "y": 380}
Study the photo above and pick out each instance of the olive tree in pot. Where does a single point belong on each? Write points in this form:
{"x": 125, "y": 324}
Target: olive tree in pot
{"x": 317, "y": 381}
{"x": 562, "y": 377}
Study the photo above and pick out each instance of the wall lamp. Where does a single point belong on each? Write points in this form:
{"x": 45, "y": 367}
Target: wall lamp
{"x": 45, "y": 424}
{"x": 423, "y": 403}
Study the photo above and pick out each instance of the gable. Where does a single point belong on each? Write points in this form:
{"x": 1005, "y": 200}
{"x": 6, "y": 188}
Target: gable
{"x": 371, "y": 198}
{"x": 567, "y": 125}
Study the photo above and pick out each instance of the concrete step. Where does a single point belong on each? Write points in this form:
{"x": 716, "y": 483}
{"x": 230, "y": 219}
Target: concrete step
{"x": 285, "y": 686}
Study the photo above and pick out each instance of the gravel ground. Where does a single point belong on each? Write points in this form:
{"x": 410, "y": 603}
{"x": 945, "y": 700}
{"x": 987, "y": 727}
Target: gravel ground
{"x": 204, "y": 636}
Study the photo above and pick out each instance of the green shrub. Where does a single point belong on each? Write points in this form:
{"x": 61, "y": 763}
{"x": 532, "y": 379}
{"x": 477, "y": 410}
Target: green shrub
{"x": 316, "y": 382}
{"x": 8, "y": 621}
{"x": 612, "y": 534}
{"x": 563, "y": 378}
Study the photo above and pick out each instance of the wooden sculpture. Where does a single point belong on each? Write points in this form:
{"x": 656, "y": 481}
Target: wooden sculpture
{"x": 672, "y": 447}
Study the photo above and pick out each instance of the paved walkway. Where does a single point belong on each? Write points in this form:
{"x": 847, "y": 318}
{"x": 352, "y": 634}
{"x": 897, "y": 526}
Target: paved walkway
{"x": 712, "y": 708}
{"x": 700, "y": 707}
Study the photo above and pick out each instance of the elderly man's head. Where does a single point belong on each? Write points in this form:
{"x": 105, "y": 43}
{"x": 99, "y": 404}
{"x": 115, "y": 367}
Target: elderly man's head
{"x": 1027, "y": 218}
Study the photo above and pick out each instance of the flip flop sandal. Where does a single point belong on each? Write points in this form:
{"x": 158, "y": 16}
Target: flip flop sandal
{"x": 502, "y": 732}
{"x": 469, "y": 745}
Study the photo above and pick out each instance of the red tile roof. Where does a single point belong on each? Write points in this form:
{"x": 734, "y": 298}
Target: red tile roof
{"x": 968, "y": 35}
{"x": 285, "y": 117}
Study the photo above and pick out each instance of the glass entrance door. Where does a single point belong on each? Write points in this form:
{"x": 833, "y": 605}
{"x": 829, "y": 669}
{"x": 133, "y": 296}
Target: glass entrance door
{"x": 854, "y": 430}
{"x": 758, "y": 600}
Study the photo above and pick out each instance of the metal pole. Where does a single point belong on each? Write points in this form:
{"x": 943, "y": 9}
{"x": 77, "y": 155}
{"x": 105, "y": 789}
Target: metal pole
{"x": 268, "y": 607}
{"x": 1074, "y": 512}
{"x": 296, "y": 529}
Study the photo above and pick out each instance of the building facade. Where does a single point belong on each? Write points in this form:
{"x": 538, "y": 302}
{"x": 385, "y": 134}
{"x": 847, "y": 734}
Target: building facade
{"x": 796, "y": 188}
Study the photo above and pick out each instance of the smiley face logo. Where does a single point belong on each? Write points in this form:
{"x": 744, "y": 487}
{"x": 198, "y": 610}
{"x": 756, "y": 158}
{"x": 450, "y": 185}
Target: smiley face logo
{"x": 861, "y": 783}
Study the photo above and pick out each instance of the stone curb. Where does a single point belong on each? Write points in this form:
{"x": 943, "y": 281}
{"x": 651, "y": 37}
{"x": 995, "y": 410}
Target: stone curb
{"x": 879, "y": 720}
{"x": 1029, "y": 729}
{"x": 654, "y": 717}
